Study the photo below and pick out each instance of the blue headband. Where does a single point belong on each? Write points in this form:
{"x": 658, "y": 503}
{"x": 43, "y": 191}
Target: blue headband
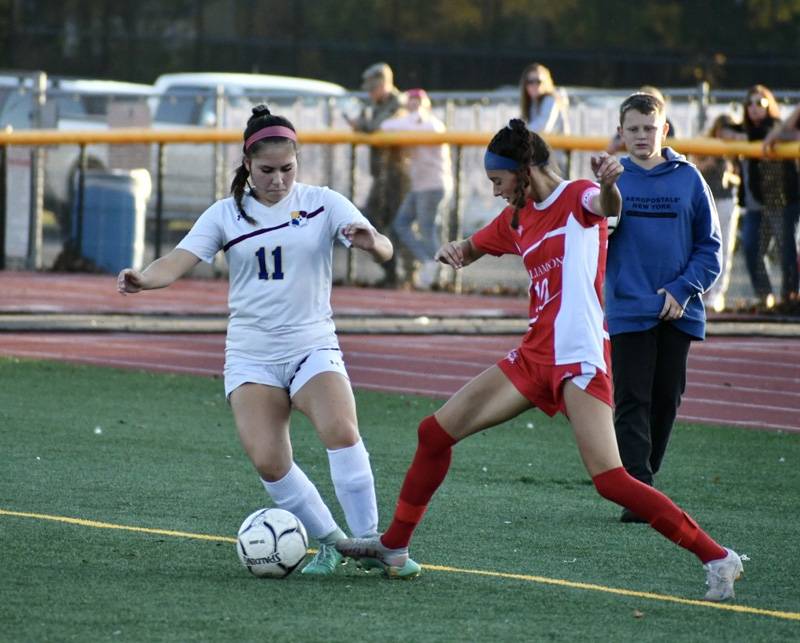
{"x": 492, "y": 161}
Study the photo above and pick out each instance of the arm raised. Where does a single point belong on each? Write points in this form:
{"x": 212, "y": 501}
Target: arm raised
{"x": 607, "y": 169}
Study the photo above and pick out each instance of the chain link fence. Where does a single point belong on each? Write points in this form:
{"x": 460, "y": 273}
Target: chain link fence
{"x": 195, "y": 175}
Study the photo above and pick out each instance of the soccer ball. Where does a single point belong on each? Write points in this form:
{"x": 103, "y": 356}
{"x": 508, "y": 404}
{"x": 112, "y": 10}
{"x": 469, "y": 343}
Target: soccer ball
{"x": 271, "y": 543}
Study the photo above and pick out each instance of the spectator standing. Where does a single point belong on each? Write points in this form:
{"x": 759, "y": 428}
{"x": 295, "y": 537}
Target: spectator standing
{"x": 664, "y": 255}
{"x": 544, "y": 108}
{"x": 387, "y": 165}
{"x": 723, "y": 179}
{"x": 422, "y": 213}
{"x": 772, "y": 202}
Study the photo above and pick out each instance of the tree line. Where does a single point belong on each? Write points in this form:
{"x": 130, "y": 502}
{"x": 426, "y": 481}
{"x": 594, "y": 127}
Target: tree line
{"x": 438, "y": 44}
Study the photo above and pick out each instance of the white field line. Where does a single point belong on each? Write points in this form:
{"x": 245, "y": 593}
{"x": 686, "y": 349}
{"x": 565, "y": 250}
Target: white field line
{"x": 429, "y": 392}
{"x": 436, "y": 342}
{"x": 139, "y": 347}
{"x": 368, "y": 385}
{"x": 411, "y": 374}
{"x": 353, "y": 368}
{"x": 743, "y": 375}
{"x": 125, "y": 341}
{"x": 742, "y": 405}
{"x": 740, "y": 360}
{"x": 744, "y": 389}
{"x": 415, "y": 375}
{"x": 747, "y": 424}
{"x": 410, "y": 359}
{"x": 739, "y": 343}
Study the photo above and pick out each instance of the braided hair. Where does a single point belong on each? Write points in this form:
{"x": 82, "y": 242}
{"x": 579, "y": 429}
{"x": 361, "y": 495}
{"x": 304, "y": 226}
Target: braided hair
{"x": 517, "y": 142}
{"x": 260, "y": 119}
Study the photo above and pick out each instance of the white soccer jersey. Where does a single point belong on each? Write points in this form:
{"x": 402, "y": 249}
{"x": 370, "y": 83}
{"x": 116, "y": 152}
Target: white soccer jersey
{"x": 280, "y": 269}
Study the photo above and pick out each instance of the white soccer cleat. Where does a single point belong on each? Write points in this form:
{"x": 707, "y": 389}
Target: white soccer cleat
{"x": 372, "y": 553}
{"x": 721, "y": 574}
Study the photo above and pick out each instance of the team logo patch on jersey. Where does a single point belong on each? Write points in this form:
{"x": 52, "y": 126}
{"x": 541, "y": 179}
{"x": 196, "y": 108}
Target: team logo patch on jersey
{"x": 299, "y": 218}
{"x": 512, "y": 356}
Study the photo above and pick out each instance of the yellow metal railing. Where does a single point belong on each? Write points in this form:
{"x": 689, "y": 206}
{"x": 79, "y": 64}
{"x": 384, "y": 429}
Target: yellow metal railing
{"x": 134, "y": 136}
{"x": 459, "y": 139}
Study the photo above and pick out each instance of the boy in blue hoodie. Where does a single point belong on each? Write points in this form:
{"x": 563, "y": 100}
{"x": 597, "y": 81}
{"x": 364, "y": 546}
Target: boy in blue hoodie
{"x": 665, "y": 253}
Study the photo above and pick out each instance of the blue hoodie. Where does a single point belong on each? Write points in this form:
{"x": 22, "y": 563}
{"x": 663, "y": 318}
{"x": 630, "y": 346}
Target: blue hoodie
{"x": 668, "y": 237}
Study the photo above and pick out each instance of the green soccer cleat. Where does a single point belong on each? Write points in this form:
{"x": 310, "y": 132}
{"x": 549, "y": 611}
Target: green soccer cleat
{"x": 371, "y": 554}
{"x": 324, "y": 562}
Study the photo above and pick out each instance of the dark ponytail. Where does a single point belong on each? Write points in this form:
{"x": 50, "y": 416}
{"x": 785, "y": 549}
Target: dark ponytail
{"x": 260, "y": 119}
{"x": 515, "y": 141}
{"x": 237, "y": 190}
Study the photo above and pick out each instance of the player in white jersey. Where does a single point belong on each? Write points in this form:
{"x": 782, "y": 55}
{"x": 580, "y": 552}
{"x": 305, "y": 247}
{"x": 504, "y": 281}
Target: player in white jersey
{"x": 559, "y": 231}
{"x": 281, "y": 349}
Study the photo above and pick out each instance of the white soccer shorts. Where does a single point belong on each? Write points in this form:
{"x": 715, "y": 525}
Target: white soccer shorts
{"x": 291, "y": 376}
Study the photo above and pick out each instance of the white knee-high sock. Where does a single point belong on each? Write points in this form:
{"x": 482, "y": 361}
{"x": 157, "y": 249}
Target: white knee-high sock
{"x": 296, "y": 493}
{"x": 355, "y": 488}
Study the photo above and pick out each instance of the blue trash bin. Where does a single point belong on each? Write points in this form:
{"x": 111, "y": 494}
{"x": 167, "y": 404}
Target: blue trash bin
{"x": 113, "y": 221}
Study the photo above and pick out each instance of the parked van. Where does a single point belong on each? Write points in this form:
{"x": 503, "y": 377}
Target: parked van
{"x": 194, "y": 176}
{"x": 69, "y": 104}
{"x": 190, "y": 98}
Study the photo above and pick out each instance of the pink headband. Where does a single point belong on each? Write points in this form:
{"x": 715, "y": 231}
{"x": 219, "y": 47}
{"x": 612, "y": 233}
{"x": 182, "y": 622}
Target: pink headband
{"x": 270, "y": 132}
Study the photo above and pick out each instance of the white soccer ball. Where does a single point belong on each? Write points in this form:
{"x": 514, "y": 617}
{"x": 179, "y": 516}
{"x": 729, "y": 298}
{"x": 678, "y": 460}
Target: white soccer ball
{"x": 271, "y": 543}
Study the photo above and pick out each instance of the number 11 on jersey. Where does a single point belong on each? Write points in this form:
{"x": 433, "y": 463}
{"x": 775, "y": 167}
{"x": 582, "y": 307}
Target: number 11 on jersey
{"x": 263, "y": 271}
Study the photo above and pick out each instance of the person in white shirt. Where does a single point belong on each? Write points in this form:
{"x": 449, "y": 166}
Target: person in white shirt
{"x": 431, "y": 177}
{"x": 281, "y": 349}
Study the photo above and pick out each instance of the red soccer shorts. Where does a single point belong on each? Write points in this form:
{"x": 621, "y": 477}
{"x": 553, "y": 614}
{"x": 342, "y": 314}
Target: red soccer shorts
{"x": 543, "y": 384}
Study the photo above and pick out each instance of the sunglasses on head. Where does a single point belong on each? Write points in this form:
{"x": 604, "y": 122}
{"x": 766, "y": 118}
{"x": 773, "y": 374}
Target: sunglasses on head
{"x": 761, "y": 101}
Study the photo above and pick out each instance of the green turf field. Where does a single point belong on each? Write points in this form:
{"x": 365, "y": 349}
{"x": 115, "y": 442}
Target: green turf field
{"x": 517, "y": 546}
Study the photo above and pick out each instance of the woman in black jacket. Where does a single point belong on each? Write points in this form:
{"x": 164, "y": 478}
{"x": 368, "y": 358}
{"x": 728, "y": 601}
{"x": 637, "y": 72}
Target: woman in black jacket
{"x": 771, "y": 201}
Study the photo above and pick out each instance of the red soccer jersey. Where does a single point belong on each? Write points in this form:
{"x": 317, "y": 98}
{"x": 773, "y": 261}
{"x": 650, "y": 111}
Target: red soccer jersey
{"x": 563, "y": 247}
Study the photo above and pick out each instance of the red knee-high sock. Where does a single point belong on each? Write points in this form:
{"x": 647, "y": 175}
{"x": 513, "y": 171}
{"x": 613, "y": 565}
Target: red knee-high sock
{"x": 427, "y": 471}
{"x": 663, "y": 515}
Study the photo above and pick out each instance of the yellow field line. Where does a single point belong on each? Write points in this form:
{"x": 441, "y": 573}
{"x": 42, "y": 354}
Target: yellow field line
{"x": 543, "y": 580}
{"x": 107, "y": 525}
{"x": 792, "y": 616}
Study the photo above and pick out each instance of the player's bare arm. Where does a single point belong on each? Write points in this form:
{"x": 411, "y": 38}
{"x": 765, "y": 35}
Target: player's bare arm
{"x": 607, "y": 170}
{"x": 159, "y": 274}
{"x": 458, "y": 253}
{"x": 367, "y": 238}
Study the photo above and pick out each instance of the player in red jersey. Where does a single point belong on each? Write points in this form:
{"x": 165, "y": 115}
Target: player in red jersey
{"x": 558, "y": 228}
